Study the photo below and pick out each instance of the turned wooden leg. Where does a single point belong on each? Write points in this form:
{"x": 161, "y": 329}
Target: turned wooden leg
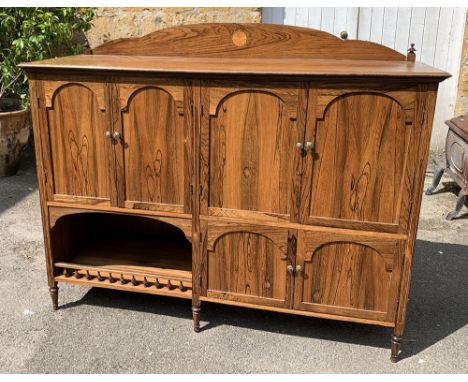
{"x": 396, "y": 343}
{"x": 435, "y": 181}
{"x": 458, "y": 206}
{"x": 196, "y": 318}
{"x": 54, "y": 295}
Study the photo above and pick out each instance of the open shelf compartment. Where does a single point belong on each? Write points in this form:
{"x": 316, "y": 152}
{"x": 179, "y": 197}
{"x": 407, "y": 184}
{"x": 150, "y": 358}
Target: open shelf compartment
{"x": 127, "y": 253}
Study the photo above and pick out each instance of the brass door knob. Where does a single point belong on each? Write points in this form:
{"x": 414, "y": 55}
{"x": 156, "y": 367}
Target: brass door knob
{"x": 108, "y": 134}
{"x": 309, "y": 146}
{"x": 290, "y": 268}
{"x": 299, "y": 269}
{"x": 300, "y": 148}
{"x": 117, "y": 136}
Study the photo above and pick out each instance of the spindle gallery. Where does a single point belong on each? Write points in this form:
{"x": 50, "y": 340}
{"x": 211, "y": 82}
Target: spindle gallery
{"x": 263, "y": 166}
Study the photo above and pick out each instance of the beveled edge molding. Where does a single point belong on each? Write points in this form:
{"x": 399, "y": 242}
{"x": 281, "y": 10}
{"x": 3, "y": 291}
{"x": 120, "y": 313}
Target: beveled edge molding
{"x": 219, "y": 95}
{"x": 51, "y": 89}
{"x": 326, "y": 98}
{"x": 128, "y": 91}
{"x": 278, "y": 236}
{"x": 386, "y": 248}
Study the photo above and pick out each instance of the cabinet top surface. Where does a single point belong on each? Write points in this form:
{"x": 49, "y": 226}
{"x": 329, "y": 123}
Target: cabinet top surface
{"x": 241, "y": 66}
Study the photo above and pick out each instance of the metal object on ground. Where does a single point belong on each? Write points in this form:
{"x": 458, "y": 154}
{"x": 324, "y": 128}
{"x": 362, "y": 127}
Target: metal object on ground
{"x": 455, "y": 162}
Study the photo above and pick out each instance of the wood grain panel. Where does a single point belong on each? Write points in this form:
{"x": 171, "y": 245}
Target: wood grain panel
{"x": 252, "y": 153}
{"x": 246, "y": 40}
{"x": 248, "y": 267}
{"x": 357, "y": 276}
{"x": 349, "y": 275}
{"x": 153, "y": 142}
{"x": 77, "y": 143}
{"x": 360, "y": 154}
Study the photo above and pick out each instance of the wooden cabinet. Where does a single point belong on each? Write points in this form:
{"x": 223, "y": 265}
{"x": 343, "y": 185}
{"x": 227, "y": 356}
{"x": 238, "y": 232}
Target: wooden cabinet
{"x": 264, "y": 166}
{"x": 127, "y": 144}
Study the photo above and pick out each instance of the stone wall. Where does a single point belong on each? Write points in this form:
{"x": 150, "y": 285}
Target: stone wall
{"x": 112, "y": 23}
{"x": 462, "y": 99}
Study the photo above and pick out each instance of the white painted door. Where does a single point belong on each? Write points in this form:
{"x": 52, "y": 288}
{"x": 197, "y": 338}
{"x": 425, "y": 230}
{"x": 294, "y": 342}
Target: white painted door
{"x": 436, "y": 32}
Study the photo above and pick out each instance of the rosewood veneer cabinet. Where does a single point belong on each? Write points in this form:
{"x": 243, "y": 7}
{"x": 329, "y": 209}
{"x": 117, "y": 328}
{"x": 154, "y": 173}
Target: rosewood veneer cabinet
{"x": 263, "y": 166}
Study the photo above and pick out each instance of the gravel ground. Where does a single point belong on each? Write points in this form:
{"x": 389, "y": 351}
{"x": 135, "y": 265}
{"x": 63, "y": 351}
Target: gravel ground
{"x": 102, "y": 331}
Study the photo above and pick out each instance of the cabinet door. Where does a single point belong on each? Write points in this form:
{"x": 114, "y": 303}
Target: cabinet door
{"x": 248, "y": 149}
{"x": 247, "y": 263}
{"x": 353, "y": 275}
{"x": 153, "y": 165}
{"x": 360, "y": 173}
{"x": 80, "y": 156}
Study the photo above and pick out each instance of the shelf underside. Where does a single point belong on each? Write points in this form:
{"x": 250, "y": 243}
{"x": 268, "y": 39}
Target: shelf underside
{"x": 137, "y": 265}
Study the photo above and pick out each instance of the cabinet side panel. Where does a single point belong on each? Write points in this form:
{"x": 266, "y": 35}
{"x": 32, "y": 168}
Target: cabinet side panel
{"x": 39, "y": 123}
{"x": 424, "y": 118}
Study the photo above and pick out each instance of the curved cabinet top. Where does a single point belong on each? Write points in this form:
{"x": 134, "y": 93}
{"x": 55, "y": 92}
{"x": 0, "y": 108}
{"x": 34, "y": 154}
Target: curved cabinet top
{"x": 258, "y": 49}
{"x": 247, "y": 41}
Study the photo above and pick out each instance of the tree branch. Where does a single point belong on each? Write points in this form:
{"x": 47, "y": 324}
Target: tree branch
{"x": 3, "y": 88}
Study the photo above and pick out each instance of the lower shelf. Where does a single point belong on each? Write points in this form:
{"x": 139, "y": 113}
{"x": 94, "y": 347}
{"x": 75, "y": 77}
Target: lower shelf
{"x": 145, "y": 266}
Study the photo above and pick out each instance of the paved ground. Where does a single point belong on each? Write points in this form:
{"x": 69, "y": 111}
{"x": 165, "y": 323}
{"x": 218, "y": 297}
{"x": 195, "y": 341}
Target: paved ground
{"x": 106, "y": 331}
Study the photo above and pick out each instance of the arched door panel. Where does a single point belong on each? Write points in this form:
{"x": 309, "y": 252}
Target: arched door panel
{"x": 348, "y": 274}
{"x": 154, "y": 173}
{"x": 248, "y": 266}
{"x": 80, "y": 155}
{"x": 360, "y": 173}
{"x": 248, "y": 149}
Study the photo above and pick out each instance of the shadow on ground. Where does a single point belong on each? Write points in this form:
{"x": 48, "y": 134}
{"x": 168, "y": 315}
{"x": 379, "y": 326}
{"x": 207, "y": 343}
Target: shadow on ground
{"x": 438, "y": 306}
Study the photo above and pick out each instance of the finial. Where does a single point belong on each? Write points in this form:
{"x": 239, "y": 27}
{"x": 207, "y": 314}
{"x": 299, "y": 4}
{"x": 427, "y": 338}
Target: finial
{"x": 344, "y": 35}
{"x": 411, "y": 56}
